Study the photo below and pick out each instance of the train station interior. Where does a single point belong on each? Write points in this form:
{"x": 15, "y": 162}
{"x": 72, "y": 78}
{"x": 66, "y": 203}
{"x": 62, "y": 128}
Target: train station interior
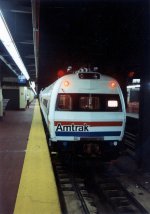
{"x": 40, "y": 42}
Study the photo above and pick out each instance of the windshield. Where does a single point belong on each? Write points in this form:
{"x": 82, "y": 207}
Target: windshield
{"x": 88, "y": 102}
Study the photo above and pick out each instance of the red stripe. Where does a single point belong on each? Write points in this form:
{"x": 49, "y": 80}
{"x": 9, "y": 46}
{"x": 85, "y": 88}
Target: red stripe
{"x": 103, "y": 123}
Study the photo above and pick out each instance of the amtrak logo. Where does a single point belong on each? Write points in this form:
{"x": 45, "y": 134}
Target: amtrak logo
{"x": 72, "y": 128}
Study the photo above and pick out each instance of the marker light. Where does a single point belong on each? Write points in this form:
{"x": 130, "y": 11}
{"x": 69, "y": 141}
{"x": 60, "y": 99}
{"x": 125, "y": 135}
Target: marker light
{"x": 60, "y": 73}
{"x": 134, "y": 86}
{"x": 66, "y": 83}
{"x": 112, "y": 103}
{"x": 112, "y": 84}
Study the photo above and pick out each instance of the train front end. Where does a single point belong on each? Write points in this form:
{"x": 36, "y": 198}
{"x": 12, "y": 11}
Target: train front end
{"x": 89, "y": 114}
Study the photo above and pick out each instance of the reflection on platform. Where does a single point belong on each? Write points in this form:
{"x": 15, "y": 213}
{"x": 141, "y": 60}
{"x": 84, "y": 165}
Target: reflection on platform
{"x": 134, "y": 115}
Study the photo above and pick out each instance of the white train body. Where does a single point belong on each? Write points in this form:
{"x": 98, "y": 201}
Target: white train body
{"x": 84, "y": 106}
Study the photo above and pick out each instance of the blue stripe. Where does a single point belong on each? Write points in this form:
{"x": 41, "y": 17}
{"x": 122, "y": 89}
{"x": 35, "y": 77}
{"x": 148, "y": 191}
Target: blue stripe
{"x": 88, "y": 134}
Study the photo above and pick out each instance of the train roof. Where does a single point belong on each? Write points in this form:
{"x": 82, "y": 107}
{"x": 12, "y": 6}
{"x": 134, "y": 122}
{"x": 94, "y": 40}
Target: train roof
{"x": 87, "y": 75}
{"x": 84, "y": 74}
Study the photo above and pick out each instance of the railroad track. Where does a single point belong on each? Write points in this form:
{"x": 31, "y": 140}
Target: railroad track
{"x": 121, "y": 201}
{"x": 74, "y": 196}
{"x": 129, "y": 142}
{"x": 77, "y": 188}
{"x": 144, "y": 181}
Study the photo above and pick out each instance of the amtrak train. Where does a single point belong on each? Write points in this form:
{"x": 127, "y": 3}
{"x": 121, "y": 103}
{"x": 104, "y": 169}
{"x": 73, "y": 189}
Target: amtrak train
{"x": 84, "y": 110}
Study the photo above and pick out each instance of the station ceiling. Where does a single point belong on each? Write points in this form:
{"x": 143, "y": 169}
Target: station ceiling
{"x": 22, "y": 18}
{"x": 52, "y": 35}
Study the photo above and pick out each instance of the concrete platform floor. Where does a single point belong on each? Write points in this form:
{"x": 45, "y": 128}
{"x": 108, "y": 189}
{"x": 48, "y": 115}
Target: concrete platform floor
{"x": 14, "y": 132}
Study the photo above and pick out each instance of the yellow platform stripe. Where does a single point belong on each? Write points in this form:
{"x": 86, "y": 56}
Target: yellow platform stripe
{"x": 37, "y": 193}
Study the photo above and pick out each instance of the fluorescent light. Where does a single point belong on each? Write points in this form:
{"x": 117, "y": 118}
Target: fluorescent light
{"x": 32, "y": 85}
{"x": 8, "y": 42}
{"x": 134, "y": 86}
{"x": 136, "y": 81}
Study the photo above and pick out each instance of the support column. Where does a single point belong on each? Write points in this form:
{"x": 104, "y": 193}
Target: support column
{"x": 1, "y": 96}
{"x": 143, "y": 151}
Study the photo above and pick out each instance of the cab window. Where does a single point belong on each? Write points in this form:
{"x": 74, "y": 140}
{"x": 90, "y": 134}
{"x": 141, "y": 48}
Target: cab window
{"x": 64, "y": 102}
{"x": 89, "y": 102}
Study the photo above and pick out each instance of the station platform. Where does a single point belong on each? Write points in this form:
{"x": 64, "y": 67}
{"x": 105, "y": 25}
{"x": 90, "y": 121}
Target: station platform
{"x": 133, "y": 115}
{"x": 27, "y": 182}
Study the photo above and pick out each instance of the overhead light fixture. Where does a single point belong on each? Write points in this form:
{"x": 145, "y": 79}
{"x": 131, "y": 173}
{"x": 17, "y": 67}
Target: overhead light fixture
{"x": 134, "y": 86}
{"x": 32, "y": 85}
{"x": 8, "y": 42}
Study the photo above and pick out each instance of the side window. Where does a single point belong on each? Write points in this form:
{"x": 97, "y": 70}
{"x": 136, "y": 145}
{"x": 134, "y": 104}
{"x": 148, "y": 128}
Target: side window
{"x": 45, "y": 102}
{"x": 64, "y": 102}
